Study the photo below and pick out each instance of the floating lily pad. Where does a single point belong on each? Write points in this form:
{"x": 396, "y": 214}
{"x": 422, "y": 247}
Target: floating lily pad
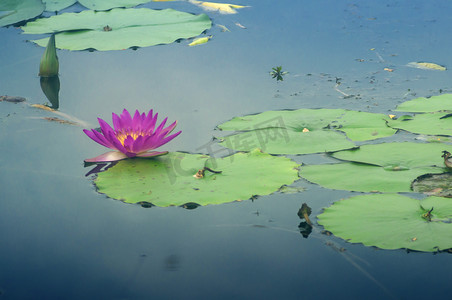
{"x": 439, "y": 123}
{"x": 432, "y": 104}
{"x": 434, "y": 184}
{"x": 391, "y": 221}
{"x": 402, "y": 155}
{"x": 387, "y": 167}
{"x": 168, "y": 180}
{"x": 14, "y": 11}
{"x": 305, "y": 130}
{"x": 109, "y": 4}
{"x": 118, "y": 28}
{"x": 56, "y": 5}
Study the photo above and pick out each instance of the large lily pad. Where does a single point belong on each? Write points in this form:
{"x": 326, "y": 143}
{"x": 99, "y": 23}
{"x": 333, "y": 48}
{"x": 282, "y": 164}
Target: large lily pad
{"x": 14, "y": 11}
{"x": 432, "y": 104}
{"x": 388, "y": 167}
{"x": 118, "y": 28}
{"x": 439, "y": 123}
{"x": 399, "y": 156}
{"x": 109, "y": 4}
{"x": 391, "y": 221}
{"x": 56, "y": 5}
{"x": 305, "y": 130}
{"x": 168, "y": 180}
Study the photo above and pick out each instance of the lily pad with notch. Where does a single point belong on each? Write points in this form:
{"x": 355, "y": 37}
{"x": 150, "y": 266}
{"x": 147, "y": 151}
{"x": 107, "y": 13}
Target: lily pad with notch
{"x": 169, "y": 179}
{"x": 118, "y": 28}
{"x": 391, "y": 221}
{"x": 387, "y": 167}
{"x": 304, "y": 131}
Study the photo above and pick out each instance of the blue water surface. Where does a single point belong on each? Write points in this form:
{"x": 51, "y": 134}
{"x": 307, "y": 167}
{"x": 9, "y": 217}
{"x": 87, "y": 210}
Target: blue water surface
{"x": 60, "y": 239}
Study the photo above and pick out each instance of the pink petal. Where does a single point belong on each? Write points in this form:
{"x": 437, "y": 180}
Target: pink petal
{"x": 98, "y": 137}
{"x": 167, "y": 139}
{"x": 151, "y": 154}
{"x": 116, "y": 122}
{"x": 108, "y": 156}
{"x": 136, "y": 123}
{"x": 150, "y": 123}
{"x": 126, "y": 119}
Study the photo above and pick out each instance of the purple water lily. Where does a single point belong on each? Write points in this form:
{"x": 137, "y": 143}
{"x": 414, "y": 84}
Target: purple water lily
{"x": 131, "y": 137}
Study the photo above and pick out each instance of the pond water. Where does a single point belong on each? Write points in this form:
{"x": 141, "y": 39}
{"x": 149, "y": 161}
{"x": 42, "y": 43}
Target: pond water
{"x": 63, "y": 240}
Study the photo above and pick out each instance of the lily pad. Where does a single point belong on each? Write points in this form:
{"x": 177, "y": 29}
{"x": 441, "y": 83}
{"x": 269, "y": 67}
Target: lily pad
{"x": 14, "y": 11}
{"x": 401, "y": 155}
{"x": 56, "y": 5}
{"x": 432, "y": 104}
{"x": 109, "y": 4}
{"x": 439, "y": 123}
{"x": 388, "y": 167}
{"x": 305, "y": 130}
{"x": 168, "y": 180}
{"x": 363, "y": 177}
{"x": 118, "y": 28}
{"x": 391, "y": 221}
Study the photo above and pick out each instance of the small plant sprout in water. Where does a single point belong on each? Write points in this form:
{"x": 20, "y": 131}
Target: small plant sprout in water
{"x": 278, "y": 73}
{"x": 131, "y": 137}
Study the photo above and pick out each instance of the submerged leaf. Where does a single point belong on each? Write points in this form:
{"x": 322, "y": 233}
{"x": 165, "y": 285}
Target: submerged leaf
{"x": 168, "y": 180}
{"x": 127, "y": 28}
{"x": 392, "y": 221}
{"x": 426, "y": 66}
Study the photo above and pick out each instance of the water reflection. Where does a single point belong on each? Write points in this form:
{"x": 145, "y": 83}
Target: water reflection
{"x": 51, "y": 88}
{"x": 305, "y": 226}
{"x": 99, "y": 167}
{"x": 172, "y": 262}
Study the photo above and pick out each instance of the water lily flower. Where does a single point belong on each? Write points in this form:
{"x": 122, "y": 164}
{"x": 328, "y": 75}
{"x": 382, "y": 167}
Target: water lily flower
{"x": 131, "y": 137}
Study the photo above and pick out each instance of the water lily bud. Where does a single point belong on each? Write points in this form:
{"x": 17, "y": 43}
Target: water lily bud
{"x": 49, "y": 62}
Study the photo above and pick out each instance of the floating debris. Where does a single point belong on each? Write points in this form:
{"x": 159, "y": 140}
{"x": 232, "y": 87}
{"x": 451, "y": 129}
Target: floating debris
{"x": 240, "y": 25}
{"x": 223, "y": 28}
{"x": 200, "y": 41}
{"x": 61, "y": 121}
{"x": 12, "y": 99}
{"x": 426, "y": 66}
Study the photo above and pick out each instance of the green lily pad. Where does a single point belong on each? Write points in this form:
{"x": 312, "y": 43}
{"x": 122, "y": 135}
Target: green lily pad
{"x": 358, "y": 126}
{"x": 432, "y": 104}
{"x": 390, "y": 221}
{"x": 118, "y": 28}
{"x": 56, "y": 5}
{"x": 285, "y": 141}
{"x": 363, "y": 177}
{"x": 14, "y": 11}
{"x": 439, "y": 123}
{"x": 398, "y": 155}
{"x": 168, "y": 180}
{"x": 387, "y": 167}
{"x": 109, "y": 4}
{"x": 434, "y": 184}
{"x": 304, "y": 131}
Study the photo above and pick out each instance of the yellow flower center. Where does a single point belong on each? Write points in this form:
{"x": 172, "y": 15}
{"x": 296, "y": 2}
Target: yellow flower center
{"x": 123, "y": 135}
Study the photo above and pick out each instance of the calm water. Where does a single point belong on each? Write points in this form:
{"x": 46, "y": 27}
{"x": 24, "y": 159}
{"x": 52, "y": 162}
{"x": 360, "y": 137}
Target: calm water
{"x": 60, "y": 239}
